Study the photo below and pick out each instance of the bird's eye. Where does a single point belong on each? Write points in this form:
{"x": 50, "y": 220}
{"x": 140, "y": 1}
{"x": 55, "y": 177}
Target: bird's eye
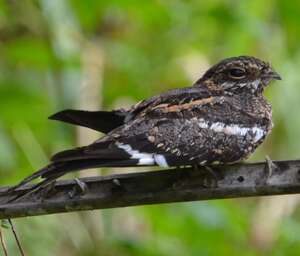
{"x": 237, "y": 73}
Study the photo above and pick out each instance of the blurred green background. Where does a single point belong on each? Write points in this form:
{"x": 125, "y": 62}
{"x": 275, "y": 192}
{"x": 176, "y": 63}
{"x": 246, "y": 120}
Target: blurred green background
{"x": 92, "y": 54}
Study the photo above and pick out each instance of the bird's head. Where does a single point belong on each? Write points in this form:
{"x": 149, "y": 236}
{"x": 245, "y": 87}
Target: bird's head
{"x": 239, "y": 74}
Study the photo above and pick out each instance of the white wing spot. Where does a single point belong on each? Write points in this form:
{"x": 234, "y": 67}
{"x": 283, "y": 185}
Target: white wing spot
{"x": 160, "y": 160}
{"x": 144, "y": 158}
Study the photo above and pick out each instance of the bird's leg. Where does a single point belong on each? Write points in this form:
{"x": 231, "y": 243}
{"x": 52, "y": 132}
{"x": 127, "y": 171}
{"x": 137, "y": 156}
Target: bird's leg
{"x": 206, "y": 169}
{"x": 212, "y": 172}
{"x": 270, "y": 166}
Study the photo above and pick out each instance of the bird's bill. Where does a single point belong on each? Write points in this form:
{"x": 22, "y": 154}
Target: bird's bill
{"x": 274, "y": 75}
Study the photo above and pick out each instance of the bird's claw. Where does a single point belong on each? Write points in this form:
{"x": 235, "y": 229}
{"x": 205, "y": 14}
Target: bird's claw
{"x": 79, "y": 189}
{"x": 82, "y": 186}
{"x": 271, "y": 166}
{"x": 116, "y": 182}
{"x": 211, "y": 177}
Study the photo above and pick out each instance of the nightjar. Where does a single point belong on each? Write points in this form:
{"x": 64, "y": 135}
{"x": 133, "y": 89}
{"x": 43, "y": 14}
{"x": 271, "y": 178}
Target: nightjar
{"x": 221, "y": 119}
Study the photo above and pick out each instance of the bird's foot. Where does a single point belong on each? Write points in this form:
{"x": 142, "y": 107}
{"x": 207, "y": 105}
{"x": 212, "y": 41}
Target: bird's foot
{"x": 79, "y": 189}
{"x": 116, "y": 182}
{"x": 211, "y": 177}
{"x": 81, "y": 185}
{"x": 271, "y": 166}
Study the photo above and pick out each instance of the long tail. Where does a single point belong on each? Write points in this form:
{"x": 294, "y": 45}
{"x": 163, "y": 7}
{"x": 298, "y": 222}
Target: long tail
{"x": 102, "y": 153}
{"x": 55, "y": 170}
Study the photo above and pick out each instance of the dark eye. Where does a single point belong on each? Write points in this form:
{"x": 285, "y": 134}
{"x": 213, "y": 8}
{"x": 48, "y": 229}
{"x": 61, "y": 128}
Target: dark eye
{"x": 237, "y": 73}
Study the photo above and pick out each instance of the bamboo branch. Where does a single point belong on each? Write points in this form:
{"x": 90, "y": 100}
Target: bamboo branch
{"x": 166, "y": 186}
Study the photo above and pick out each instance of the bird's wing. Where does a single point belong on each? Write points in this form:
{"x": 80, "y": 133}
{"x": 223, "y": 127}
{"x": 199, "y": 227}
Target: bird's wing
{"x": 139, "y": 138}
{"x": 172, "y": 97}
{"x": 106, "y": 121}
{"x": 188, "y": 128}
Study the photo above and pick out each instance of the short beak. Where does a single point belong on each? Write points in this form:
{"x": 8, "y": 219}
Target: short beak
{"x": 274, "y": 75}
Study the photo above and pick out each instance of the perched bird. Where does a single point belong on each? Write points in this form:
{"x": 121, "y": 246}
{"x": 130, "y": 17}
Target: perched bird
{"x": 221, "y": 119}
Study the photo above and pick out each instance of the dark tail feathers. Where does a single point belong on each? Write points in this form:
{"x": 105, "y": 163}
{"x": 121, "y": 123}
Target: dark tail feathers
{"x": 57, "y": 169}
{"x": 103, "y": 121}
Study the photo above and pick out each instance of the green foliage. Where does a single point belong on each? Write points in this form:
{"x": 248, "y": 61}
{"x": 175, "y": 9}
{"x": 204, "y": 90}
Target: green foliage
{"x": 147, "y": 47}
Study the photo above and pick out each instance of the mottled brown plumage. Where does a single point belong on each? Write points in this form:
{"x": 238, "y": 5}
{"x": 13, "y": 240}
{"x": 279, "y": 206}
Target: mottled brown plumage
{"x": 222, "y": 118}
